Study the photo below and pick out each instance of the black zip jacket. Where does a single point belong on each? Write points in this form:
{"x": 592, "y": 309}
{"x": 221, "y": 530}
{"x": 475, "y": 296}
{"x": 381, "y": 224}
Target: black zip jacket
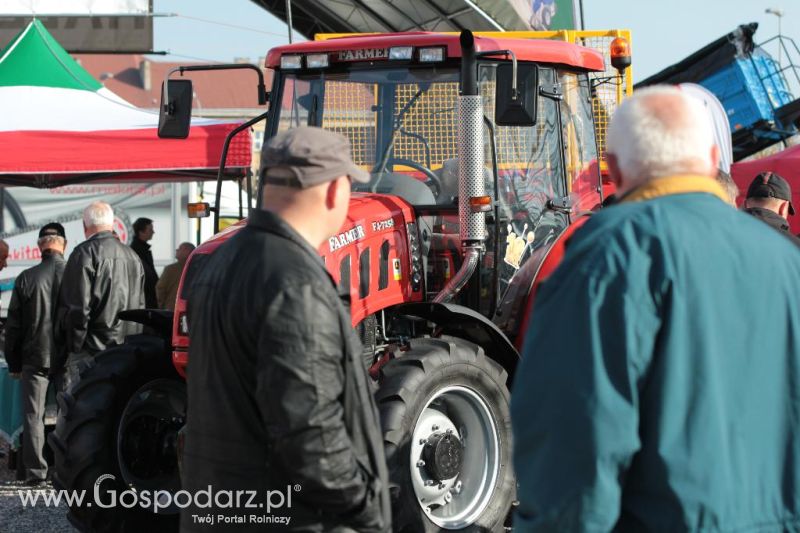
{"x": 775, "y": 220}
{"x": 102, "y": 278}
{"x": 29, "y": 328}
{"x": 279, "y": 399}
{"x": 142, "y": 249}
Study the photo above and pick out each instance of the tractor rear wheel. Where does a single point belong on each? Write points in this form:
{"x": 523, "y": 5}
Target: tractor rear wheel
{"x": 118, "y": 429}
{"x": 447, "y": 432}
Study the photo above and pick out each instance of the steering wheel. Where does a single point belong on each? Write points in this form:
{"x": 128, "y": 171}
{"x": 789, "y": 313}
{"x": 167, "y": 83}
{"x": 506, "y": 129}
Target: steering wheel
{"x": 432, "y": 180}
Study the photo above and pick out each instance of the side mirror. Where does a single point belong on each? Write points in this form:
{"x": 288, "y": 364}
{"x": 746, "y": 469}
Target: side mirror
{"x": 198, "y": 209}
{"x": 516, "y": 108}
{"x": 175, "y": 115}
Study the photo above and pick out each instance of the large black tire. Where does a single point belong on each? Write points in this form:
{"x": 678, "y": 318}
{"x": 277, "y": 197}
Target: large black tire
{"x": 85, "y": 441}
{"x": 407, "y": 385}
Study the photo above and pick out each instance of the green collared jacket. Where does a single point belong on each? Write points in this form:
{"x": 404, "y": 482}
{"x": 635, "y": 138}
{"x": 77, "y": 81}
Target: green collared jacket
{"x": 659, "y": 388}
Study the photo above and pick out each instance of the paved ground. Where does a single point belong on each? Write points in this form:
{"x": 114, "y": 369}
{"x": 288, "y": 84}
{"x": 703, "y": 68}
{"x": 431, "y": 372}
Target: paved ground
{"x": 15, "y": 518}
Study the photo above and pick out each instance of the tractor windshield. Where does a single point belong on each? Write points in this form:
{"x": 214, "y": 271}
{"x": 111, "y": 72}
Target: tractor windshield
{"x": 403, "y": 126}
{"x": 400, "y": 122}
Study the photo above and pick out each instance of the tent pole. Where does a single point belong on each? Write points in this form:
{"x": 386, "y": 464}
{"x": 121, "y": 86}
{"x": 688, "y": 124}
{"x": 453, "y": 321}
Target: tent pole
{"x": 176, "y": 214}
{"x": 2, "y": 209}
{"x": 249, "y": 190}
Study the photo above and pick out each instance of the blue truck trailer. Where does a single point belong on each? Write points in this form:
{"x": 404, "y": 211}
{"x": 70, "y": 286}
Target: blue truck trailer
{"x": 753, "y": 87}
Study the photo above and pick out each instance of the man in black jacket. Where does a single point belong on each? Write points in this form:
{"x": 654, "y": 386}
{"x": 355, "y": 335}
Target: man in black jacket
{"x": 102, "y": 278}
{"x": 143, "y": 232}
{"x": 769, "y": 199}
{"x": 279, "y": 399}
{"x": 30, "y": 343}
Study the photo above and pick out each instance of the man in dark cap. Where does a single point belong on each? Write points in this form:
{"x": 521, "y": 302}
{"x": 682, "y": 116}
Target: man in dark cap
{"x": 769, "y": 198}
{"x": 278, "y": 394}
{"x": 29, "y": 342}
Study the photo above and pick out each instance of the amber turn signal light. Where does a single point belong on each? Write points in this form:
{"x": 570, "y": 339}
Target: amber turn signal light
{"x": 480, "y": 204}
{"x": 198, "y": 209}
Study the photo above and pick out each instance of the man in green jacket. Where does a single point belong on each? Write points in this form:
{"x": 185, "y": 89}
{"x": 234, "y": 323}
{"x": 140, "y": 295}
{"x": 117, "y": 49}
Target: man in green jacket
{"x": 659, "y": 388}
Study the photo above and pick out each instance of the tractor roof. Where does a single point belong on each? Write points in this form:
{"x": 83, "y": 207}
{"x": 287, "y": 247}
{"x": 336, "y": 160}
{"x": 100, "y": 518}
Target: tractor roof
{"x": 541, "y": 51}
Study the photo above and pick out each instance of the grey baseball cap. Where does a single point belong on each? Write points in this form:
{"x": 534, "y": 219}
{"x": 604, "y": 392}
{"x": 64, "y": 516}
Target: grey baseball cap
{"x": 306, "y": 156}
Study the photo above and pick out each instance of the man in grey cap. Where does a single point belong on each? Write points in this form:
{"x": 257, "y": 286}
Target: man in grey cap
{"x": 278, "y": 395}
{"x": 30, "y": 345}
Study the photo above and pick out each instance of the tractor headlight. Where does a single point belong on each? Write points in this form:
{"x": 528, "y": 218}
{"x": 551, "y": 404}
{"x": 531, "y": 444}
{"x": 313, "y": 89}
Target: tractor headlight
{"x": 317, "y": 60}
{"x": 431, "y": 55}
{"x": 183, "y": 324}
{"x": 291, "y": 62}
{"x": 401, "y": 52}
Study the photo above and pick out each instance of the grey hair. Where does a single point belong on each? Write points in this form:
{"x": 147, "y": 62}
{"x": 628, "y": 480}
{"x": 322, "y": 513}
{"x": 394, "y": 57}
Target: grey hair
{"x": 649, "y": 143}
{"x": 98, "y": 214}
{"x": 50, "y": 239}
{"x": 731, "y": 189}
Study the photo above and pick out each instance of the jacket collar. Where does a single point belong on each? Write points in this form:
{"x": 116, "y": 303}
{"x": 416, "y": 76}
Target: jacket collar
{"x": 670, "y": 185}
{"x": 770, "y": 217}
{"x": 101, "y": 235}
{"x": 268, "y": 221}
{"x": 49, "y": 255}
{"x": 139, "y": 242}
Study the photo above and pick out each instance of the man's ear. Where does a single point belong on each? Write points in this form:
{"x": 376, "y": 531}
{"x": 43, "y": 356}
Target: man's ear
{"x": 715, "y": 157}
{"x": 613, "y": 170}
{"x": 330, "y": 194}
{"x": 783, "y": 210}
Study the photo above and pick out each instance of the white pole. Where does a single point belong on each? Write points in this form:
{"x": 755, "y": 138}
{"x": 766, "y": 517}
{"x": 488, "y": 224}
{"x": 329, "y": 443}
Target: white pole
{"x": 778, "y": 13}
{"x": 176, "y": 214}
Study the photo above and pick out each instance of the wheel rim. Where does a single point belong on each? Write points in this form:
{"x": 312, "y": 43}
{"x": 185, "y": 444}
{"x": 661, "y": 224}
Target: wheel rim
{"x": 457, "y": 432}
{"x": 147, "y": 438}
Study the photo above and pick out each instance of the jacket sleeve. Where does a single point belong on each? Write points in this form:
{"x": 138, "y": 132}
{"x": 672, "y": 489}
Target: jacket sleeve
{"x": 575, "y": 404}
{"x": 14, "y": 328}
{"x": 300, "y": 385}
{"x": 76, "y": 301}
{"x": 140, "y": 285}
{"x": 162, "y": 286}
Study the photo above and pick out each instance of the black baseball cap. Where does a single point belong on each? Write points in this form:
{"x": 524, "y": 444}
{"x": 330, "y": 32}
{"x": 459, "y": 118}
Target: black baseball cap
{"x": 52, "y": 228}
{"x": 307, "y": 156}
{"x": 770, "y": 185}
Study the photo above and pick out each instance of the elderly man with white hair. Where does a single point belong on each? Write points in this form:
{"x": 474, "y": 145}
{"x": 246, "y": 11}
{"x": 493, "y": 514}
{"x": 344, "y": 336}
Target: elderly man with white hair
{"x": 660, "y": 379}
{"x": 102, "y": 278}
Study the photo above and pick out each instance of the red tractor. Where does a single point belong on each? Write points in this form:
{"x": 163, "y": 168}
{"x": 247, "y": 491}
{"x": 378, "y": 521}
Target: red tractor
{"x": 483, "y": 155}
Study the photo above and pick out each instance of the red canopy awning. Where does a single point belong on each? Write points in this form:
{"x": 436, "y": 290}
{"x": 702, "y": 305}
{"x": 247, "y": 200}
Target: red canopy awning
{"x": 59, "y": 125}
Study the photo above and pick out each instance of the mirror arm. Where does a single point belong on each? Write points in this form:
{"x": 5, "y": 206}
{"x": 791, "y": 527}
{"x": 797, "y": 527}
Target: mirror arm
{"x": 263, "y": 96}
{"x": 514, "y": 92}
{"x": 224, "y": 158}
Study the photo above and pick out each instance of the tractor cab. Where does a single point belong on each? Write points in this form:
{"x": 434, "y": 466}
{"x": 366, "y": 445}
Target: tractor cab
{"x": 396, "y": 97}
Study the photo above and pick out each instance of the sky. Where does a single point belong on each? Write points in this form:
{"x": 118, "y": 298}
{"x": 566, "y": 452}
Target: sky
{"x": 663, "y": 32}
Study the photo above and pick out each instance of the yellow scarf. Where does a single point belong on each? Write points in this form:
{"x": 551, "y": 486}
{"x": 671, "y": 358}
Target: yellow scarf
{"x": 669, "y": 185}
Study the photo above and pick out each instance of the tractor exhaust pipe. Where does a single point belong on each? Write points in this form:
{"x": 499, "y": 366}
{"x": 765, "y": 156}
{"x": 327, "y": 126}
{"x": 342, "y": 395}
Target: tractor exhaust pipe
{"x": 470, "y": 169}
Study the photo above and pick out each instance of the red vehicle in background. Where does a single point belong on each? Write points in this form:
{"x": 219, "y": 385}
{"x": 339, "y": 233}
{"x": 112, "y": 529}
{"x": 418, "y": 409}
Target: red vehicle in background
{"x": 483, "y": 151}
